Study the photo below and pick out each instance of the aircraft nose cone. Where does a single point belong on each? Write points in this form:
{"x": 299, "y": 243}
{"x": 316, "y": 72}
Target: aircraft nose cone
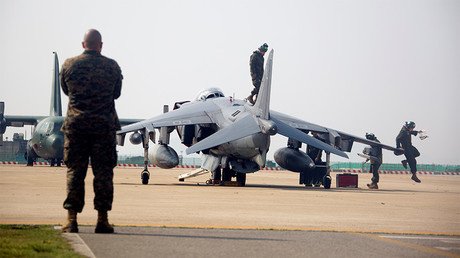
{"x": 56, "y": 144}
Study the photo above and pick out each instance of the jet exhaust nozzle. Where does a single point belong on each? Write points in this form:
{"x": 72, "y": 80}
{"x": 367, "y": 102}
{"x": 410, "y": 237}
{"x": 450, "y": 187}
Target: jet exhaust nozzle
{"x": 164, "y": 156}
{"x": 293, "y": 160}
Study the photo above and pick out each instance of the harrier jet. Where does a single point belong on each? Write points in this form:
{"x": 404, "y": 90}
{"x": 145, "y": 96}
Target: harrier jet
{"x": 233, "y": 136}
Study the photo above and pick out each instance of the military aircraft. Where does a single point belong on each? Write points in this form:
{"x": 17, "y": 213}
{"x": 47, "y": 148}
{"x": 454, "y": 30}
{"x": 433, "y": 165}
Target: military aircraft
{"x": 47, "y": 139}
{"x": 234, "y": 136}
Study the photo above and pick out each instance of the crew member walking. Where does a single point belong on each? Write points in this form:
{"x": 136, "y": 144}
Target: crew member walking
{"x": 376, "y": 159}
{"x": 92, "y": 82}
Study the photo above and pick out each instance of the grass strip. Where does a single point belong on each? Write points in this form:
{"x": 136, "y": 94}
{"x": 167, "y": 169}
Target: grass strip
{"x": 33, "y": 241}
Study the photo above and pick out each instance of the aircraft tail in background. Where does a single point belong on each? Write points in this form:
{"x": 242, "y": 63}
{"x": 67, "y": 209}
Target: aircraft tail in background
{"x": 56, "y": 107}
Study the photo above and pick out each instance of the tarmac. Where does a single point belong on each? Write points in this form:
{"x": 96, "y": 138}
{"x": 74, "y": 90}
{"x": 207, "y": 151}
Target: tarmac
{"x": 272, "y": 206}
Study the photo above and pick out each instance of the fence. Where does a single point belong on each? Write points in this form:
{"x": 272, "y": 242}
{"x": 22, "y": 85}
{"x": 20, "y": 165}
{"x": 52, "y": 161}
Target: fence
{"x": 397, "y": 167}
{"x": 196, "y": 161}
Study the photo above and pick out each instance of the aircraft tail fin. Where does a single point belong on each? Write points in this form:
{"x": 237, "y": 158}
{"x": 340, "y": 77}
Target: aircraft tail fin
{"x": 2, "y": 121}
{"x": 262, "y": 104}
{"x": 55, "y": 107}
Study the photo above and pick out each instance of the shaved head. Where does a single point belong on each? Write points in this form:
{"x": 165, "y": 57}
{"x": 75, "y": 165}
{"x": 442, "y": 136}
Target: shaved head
{"x": 92, "y": 40}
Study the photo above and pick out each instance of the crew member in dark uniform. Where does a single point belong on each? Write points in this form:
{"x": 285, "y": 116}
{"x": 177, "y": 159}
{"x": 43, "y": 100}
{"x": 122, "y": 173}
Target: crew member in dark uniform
{"x": 375, "y": 153}
{"x": 404, "y": 140}
{"x": 92, "y": 82}
{"x": 256, "y": 64}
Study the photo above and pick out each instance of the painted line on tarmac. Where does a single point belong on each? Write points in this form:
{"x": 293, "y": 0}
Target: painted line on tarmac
{"x": 424, "y": 238}
{"x": 342, "y": 230}
{"x": 416, "y": 247}
{"x": 77, "y": 243}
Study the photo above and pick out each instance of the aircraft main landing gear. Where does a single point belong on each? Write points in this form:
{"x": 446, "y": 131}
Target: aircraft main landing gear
{"x": 241, "y": 179}
{"x": 30, "y": 156}
{"x": 228, "y": 174}
{"x": 327, "y": 180}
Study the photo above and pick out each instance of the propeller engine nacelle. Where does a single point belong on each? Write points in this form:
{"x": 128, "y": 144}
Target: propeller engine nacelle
{"x": 135, "y": 138}
{"x": 163, "y": 156}
{"x": 293, "y": 160}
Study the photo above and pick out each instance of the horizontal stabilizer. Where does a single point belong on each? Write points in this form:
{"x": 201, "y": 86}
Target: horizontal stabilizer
{"x": 291, "y": 132}
{"x": 241, "y": 128}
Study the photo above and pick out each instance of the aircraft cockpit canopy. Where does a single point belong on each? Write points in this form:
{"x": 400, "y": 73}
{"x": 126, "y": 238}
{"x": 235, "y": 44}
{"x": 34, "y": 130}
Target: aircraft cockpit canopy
{"x": 209, "y": 94}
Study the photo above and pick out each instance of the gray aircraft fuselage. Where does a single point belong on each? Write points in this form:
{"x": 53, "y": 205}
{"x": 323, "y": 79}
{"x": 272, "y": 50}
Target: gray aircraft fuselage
{"x": 47, "y": 139}
{"x": 247, "y": 147}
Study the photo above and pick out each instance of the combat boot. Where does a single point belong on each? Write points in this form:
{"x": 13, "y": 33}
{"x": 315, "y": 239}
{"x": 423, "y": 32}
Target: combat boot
{"x": 103, "y": 225}
{"x": 373, "y": 186}
{"x": 415, "y": 178}
{"x": 72, "y": 225}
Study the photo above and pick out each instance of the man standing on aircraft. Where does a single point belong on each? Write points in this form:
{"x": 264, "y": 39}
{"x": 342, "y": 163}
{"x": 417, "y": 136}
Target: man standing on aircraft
{"x": 404, "y": 139}
{"x": 92, "y": 82}
{"x": 375, "y": 154}
{"x": 256, "y": 64}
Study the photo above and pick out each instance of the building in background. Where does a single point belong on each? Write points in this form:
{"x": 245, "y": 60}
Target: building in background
{"x": 13, "y": 150}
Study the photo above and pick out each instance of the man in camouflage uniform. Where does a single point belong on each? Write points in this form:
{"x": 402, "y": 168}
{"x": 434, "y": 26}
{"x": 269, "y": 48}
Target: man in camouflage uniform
{"x": 256, "y": 64}
{"x": 92, "y": 82}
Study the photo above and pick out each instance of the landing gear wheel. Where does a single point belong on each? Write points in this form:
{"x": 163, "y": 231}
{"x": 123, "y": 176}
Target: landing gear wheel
{"x": 30, "y": 156}
{"x": 145, "y": 177}
{"x": 241, "y": 179}
{"x": 227, "y": 174}
{"x": 327, "y": 180}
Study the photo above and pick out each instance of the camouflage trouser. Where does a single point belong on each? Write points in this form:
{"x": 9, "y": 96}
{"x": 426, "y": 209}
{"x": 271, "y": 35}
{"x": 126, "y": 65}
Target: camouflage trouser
{"x": 78, "y": 150}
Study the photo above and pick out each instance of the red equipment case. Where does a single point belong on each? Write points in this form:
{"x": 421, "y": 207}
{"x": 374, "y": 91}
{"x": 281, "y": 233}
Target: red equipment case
{"x": 347, "y": 180}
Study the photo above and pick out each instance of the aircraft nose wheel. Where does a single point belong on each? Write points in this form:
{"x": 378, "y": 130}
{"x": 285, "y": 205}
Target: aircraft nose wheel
{"x": 145, "y": 175}
{"x": 327, "y": 180}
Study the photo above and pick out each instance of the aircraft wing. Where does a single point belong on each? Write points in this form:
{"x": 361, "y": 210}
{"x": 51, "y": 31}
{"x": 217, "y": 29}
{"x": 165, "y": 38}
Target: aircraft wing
{"x": 340, "y": 139}
{"x": 20, "y": 121}
{"x": 297, "y": 123}
{"x": 191, "y": 113}
{"x": 128, "y": 121}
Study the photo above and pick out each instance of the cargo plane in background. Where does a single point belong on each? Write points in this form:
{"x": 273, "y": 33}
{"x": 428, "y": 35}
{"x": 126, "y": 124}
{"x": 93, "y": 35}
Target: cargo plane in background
{"x": 47, "y": 139}
{"x": 233, "y": 136}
